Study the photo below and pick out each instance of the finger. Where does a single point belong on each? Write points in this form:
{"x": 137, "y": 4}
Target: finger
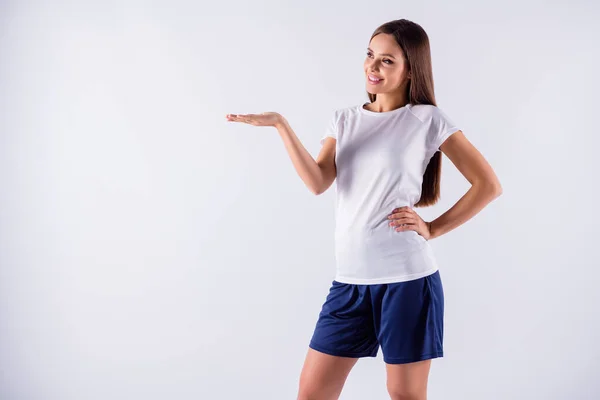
{"x": 407, "y": 227}
{"x": 400, "y": 214}
{"x": 246, "y": 120}
{"x": 250, "y": 118}
{"x": 402, "y": 223}
{"x": 402, "y": 220}
{"x": 403, "y": 208}
{"x": 239, "y": 117}
{"x": 235, "y": 118}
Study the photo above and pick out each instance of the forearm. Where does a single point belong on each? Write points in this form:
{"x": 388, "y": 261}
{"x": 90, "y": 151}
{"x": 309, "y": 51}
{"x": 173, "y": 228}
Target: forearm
{"x": 473, "y": 201}
{"x": 305, "y": 165}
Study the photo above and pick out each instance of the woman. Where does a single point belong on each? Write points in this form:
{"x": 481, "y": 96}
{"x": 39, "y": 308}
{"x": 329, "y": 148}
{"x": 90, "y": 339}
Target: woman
{"x": 385, "y": 157}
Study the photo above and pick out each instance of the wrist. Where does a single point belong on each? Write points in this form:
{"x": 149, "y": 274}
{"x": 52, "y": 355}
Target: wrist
{"x": 280, "y": 123}
{"x": 432, "y": 231}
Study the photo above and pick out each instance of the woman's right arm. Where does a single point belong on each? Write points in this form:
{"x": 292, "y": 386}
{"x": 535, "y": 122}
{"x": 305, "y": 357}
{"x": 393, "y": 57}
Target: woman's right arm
{"x": 317, "y": 175}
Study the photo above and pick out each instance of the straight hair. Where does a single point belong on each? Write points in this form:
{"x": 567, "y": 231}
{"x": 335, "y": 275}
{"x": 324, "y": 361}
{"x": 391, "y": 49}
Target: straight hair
{"x": 414, "y": 42}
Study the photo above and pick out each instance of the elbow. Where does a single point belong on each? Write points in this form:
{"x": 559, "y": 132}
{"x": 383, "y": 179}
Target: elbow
{"x": 494, "y": 188}
{"x": 498, "y": 190}
{"x": 318, "y": 187}
{"x": 317, "y": 190}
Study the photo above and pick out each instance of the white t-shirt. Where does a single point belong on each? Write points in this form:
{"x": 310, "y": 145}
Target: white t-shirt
{"x": 380, "y": 159}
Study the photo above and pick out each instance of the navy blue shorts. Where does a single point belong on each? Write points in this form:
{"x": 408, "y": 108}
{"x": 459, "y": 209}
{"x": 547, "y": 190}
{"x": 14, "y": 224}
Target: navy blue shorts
{"x": 405, "y": 318}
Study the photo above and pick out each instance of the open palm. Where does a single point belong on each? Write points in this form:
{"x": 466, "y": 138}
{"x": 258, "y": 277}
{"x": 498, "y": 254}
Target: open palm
{"x": 264, "y": 119}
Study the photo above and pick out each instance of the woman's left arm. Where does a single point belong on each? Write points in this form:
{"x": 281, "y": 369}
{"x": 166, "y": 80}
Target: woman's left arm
{"x": 485, "y": 185}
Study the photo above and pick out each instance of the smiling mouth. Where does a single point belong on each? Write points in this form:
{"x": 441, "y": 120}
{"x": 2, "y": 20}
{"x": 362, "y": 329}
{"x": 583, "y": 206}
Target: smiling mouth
{"x": 374, "y": 79}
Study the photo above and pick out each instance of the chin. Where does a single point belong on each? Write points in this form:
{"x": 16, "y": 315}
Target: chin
{"x": 372, "y": 90}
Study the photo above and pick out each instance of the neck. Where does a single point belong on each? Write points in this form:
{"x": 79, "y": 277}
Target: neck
{"x": 385, "y": 103}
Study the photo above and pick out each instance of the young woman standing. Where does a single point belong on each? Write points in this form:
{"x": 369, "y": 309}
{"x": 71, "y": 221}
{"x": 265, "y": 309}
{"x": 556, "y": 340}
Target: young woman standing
{"x": 385, "y": 157}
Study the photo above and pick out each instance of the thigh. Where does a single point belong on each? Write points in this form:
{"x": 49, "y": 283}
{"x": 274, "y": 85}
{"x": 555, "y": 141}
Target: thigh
{"x": 411, "y": 319}
{"x": 345, "y": 325}
{"x": 408, "y": 381}
{"x": 323, "y": 375}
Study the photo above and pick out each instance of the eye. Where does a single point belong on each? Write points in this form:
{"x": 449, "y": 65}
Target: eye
{"x": 386, "y": 60}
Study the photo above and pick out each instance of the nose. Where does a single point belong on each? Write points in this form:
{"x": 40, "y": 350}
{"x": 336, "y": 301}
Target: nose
{"x": 372, "y": 65}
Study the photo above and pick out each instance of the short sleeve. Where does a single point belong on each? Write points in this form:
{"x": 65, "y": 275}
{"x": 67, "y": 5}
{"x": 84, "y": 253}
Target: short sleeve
{"x": 442, "y": 127}
{"x": 332, "y": 128}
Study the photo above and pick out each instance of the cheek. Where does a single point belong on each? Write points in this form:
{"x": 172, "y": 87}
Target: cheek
{"x": 393, "y": 77}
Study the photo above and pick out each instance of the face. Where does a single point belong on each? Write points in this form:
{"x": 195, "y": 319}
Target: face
{"x": 385, "y": 61}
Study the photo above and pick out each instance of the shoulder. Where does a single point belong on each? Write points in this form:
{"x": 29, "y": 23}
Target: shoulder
{"x": 347, "y": 111}
{"x": 425, "y": 112}
{"x": 342, "y": 114}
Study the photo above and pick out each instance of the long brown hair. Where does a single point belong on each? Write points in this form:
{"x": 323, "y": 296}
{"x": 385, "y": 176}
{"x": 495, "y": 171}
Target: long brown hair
{"x": 414, "y": 42}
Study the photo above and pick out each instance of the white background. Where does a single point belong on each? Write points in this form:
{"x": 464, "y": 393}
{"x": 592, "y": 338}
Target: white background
{"x": 149, "y": 249}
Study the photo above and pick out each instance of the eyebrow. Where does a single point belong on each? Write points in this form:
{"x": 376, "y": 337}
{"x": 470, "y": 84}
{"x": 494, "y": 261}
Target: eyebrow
{"x": 384, "y": 54}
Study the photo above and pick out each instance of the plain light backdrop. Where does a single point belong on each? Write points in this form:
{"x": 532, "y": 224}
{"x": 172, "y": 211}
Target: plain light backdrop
{"x": 149, "y": 249}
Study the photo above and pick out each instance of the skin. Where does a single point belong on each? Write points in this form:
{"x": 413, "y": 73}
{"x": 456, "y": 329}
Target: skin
{"x": 385, "y": 59}
{"x": 323, "y": 375}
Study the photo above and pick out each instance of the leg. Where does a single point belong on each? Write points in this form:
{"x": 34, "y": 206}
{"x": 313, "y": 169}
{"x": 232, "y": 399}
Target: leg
{"x": 409, "y": 321}
{"x": 408, "y": 381}
{"x": 323, "y": 376}
{"x": 343, "y": 333}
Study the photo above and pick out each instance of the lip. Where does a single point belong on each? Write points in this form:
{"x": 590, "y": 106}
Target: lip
{"x": 374, "y": 82}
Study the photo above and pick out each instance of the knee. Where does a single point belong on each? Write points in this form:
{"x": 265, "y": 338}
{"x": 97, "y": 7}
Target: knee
{"x": 304, "y": 394}
{"x": 406, "y": 394}
{"x": 312, "y": 396}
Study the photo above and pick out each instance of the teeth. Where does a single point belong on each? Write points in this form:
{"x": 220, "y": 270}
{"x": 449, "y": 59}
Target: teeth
{"x": 372, "y": 78}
